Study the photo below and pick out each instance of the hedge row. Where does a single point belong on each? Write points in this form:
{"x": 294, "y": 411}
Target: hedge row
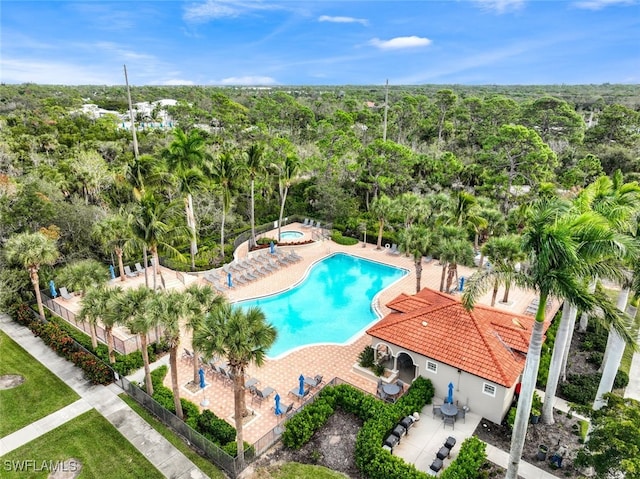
{"x": 62, "y": 343}
{"x": 379, "y": 418}
{"x": 217, "y": 430}
{"x": 470, "y": 460}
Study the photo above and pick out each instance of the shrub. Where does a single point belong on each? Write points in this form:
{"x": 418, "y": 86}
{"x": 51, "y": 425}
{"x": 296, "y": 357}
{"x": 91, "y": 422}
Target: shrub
{"x": 231, "y": 448}
{"x": 595, "y": 358}
{"x": 337, "y": 237}
{"x": 580, "y": 389}
{"x": 366, "y": 357}
{"x": 469, "y": 462}
{"x": 215, "y": 429}
{"x": 621, "y": 380}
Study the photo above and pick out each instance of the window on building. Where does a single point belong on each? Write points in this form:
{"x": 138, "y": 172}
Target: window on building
{"x": 433, "y": 367}
{"x": 489, "y": 389}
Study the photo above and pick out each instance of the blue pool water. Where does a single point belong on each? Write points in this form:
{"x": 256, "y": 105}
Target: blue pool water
{"x": 291, "y": 235}
{"x": 330, "y": 305}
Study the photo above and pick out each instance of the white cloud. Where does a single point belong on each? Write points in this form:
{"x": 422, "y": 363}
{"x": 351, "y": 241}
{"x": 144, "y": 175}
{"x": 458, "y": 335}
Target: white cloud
{"x": 327, "y": 18}
{"x": 399, "y": 43}
{"x": 56, "y": 73}
{"x": 500, "y": 6}
{"x": 212, "y": 9}
{"x": 248, "y": 80}
{"x": 600, "y": 4}
{"x": 176, "y": 82}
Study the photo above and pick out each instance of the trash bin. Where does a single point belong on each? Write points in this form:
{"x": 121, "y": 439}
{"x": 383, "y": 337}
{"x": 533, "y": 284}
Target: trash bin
{"x": 542, "y": 452}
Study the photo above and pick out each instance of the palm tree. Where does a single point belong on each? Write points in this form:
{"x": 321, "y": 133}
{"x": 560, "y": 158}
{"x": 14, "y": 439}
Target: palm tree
{"x": 83, "y": 274}
{"x": 409, "y": 207}
{"x": 416, "y": 240}
{"x": 225, "y": 172}
{"x": 242, "y": 337}
{"x": 95, "y": 308}
{"x": 114, "y": 233}
{"x": 169, "y": 308}
{"x": 152, "y": 224}
{"x": 184, "y": 158}
{"x": 206, "y": 298}
{"x": 287, "y": 172}
{"x": 32, "y": 250}
{"x": 554, "y": 268}
{"x": 134, "y": 311}
{"x": 452, "y": 245}
{"x": 382, "y": 208}
{"x": 255, "y": 169}
{"x": 503, "y": 252}
{"x": 145, "y": 171}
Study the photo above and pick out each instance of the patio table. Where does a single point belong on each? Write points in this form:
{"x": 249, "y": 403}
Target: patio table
{"x": 391, "y": 389}
{"x": 449, "y": 409}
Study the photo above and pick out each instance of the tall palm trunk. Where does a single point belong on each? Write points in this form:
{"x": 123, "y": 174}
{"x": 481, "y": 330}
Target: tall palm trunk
{"x": 191, "y": 224}
{"x": 284, "y": 199}
{"x": 453, "y": 273}
{"x": 145, "y": 360}
{"x": 380, "y": 231}
{"x": 108, "y": 331}
{"x": 35, "y": 281}
{"x": 507, "y": 288}
{"x": 173, "y": 360}
{"x": 442, "y": 276}
{"x": 224, "y": 216}
{"x": 119, "y": 253}
{"x": 418, "y": 264}
{"x": 196, "y": 366}
{"x": 93, "y": 334}
{"x": 584, "y": 319}
{"x": 146, "y": 265}
{"x": 562, "y": 336}
{"x": 253, "y": 215}
{"x": 239, "y": 410}
{"x": 494, "y": 294}
{"x": 612, "y": 361}
{"x": 525, "y": 401}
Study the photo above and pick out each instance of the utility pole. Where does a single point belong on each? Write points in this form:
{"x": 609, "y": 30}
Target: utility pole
{"x": 386, "y": 108}
{"x": 133, "y": 125}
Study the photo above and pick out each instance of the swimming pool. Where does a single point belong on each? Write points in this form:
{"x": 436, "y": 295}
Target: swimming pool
{"x": 291, "y": 235}
{"x": 331, "y": 305}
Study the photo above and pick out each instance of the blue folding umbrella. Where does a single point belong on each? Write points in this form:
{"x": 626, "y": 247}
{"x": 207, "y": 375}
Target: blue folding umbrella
{"x": 201, "y": 373}
{"x": 450, "y": 396}
{"x": 462, "y": 283}
{"x": 301, "y": 379}
{"x": 52, "y": 288}
{"x": 229, "y": 280}
{"x": 112, "y": 270}
{"x": 277, "y": 409}
{"x": 272, "y": 247}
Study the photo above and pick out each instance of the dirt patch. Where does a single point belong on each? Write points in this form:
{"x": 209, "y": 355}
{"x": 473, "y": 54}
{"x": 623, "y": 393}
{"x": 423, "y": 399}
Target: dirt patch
{"x": 10, "y": 381}
{"x": 333, "y": 447}
{"x": 565, "y": 431}
{"x": 70, "y": 469}
{"x": 192, "y": 387}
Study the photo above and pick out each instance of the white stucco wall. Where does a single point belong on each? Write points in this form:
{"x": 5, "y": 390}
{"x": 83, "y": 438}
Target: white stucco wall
{"x": 469, "y": 389}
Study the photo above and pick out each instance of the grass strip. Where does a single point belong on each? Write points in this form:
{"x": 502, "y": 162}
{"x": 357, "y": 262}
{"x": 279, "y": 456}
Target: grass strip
{"x": 294, "y": 470}
{"x": 41, "y": 394}
{"x": 204, "y": 464}
{"x": 90, "y": 440}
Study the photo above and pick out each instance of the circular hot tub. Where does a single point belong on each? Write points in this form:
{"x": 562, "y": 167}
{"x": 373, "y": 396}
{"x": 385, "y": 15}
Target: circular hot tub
{"x": 291, "y": 235}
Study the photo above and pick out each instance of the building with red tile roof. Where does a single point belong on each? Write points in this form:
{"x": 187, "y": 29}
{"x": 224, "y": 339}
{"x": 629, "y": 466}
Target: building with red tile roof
{"x": 481, "y": 351}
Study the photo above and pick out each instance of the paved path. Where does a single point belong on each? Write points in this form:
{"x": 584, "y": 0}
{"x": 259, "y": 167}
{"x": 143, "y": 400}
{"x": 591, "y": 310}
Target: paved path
{"x": 160, "y": 452}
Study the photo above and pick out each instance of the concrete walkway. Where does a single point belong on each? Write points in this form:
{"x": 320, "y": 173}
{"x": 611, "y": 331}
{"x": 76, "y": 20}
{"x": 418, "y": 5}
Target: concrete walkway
{"x": 160, "y": 452}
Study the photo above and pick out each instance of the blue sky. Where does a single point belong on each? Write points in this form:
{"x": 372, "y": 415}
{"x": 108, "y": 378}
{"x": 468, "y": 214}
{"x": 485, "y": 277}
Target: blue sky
{"x": 348, "y": 42}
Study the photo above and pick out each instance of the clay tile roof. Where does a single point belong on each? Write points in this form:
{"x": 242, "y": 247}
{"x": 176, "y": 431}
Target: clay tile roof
{"x": 487, "y": 342}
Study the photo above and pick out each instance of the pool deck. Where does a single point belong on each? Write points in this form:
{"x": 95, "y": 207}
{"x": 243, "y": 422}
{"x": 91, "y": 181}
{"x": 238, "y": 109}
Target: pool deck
{"x": 328, "y": 360}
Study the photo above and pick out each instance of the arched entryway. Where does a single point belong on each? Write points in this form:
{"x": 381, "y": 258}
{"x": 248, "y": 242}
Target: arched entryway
{"x": 406, "y": 368}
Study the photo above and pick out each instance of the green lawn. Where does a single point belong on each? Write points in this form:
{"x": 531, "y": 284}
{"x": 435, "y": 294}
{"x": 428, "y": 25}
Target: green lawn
{"x": 204, "y": 464}
{"x": 293, "y": 470}
{"x": 41, "y": 394}
{"x": 101, "y": 450}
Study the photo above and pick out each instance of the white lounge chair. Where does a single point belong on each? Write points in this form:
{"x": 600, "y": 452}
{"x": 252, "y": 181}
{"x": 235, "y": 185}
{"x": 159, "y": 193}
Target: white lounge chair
{"x": 128, "y": 272}
{"x": 139, "y": 268}
{"x": 64, "y": 293}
